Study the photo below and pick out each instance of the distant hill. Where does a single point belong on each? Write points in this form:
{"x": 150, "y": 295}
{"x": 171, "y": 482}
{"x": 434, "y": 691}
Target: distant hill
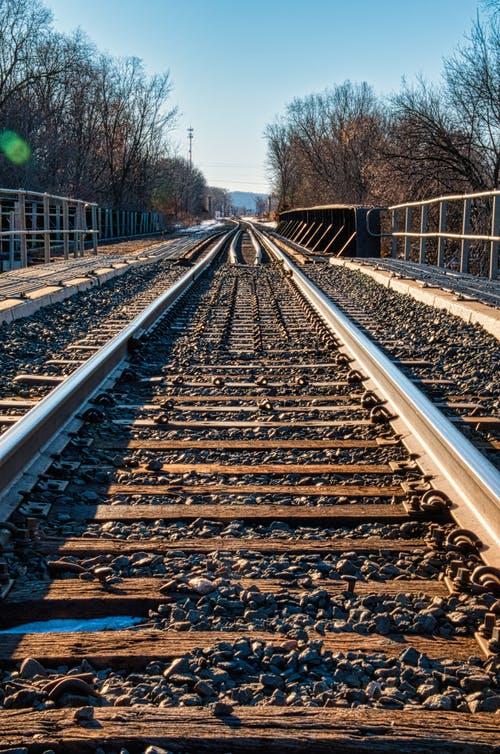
{"x": 245, "y": 199}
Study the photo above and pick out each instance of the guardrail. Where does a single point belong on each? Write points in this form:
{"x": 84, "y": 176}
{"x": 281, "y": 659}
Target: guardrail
{"x": 336, "y": 229}
{"x": 36, "y": 227}
{"x": 116, "y": 224}
{"x": 473, "y": 249}
{"x": 33, "y": 225}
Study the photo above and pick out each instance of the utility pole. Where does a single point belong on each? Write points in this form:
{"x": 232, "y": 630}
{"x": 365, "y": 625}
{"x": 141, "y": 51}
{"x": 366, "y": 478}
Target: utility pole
{"x": 190, "y": 137}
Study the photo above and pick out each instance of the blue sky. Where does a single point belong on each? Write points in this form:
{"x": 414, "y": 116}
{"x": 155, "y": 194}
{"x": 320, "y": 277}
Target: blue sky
{"x": 234, "y": 66}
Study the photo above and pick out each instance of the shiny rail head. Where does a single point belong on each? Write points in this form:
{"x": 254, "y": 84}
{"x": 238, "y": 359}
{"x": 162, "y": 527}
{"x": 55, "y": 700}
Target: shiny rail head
{"x": 475, "y": 481}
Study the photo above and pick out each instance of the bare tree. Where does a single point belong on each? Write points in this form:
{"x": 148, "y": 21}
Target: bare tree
{"x": 322, "y": 151}
{"x": 64, "y": 125}
{"x": 96, "y": 126}
{"x": 261, "y": 206}
{"x": 447, "y": 138}
{"x": 345, "y": 146}
{"x": 282, "y": 163}
{"x": 25, "y": 28}
{"x": 473, "y": 90}
{"x": 133, "y": 123}
{"x": 220, "y": 199}
{"x": 180, "y": 190}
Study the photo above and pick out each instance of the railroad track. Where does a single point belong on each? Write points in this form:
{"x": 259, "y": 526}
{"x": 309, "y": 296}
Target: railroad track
{"x": 23, "y": 389}
{"x": 427, "y": 353}
{"x": 277, "y": 553}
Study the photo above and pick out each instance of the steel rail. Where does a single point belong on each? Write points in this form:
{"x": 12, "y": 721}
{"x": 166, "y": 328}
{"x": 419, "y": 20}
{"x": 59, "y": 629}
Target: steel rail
{"x": 31, "y": 434}
{"x": 233, "y": 259}
{"x": 474, "y": 480}
{"x": 257, "y": 247}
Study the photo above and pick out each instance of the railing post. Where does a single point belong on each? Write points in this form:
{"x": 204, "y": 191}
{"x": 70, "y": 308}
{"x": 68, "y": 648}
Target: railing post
{"x": 423, "y": 229}
{"x": 75, "y": 232}
{"x": 464, "y": 246}
{"x": 12, "y": 245}
{"x": 495, "y": 231}
{"x": 65, "y": 210}
{"x": 408, "y": 220}
{"x": 57, "y": 209}
{"x": 34, "y": 226}
{"x": 94, "y": 228}
{"x": 22, "y": 227}
{"x": 46, "y": 228}
{"x": 394, "y": 241}
{"x": 442, "y": 229}
{"x": 83, "y": 228}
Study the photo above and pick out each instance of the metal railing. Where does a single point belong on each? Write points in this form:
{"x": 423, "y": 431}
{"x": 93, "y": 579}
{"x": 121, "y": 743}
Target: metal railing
{"x": 38, "y": 228}
{"x": 35, "y": 226}
{"x": 116, "y": 224}
{"x": 464, "y": 229}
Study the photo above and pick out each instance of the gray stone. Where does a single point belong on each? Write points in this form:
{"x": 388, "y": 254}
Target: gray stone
{"x": 180, "y": 664}
{"x": 475, "y": 706}
{"x": 425, "y": 690}
{"x": 31, "y": 668}
{"x": 271, "y": 681}
{"x": 84, "y": 714}
{"x": 124, "y": 700}
{"x": 373, "y": 690}
{"x": 183, "y": 679}
{"x": 191, "y": 700}
{"x": 278, "y": 698}
{"x": 438, "y": 702}
{"x": 222, "y": 708}
{"x": 90, "y": 497}
{"x": 491, "y": 703}
{"x": 20, "y": 699}
{"x": 475, "y": 682}
{"x": 410, "y": 656}
{"x": 427, "y": 623}
{"x": 203, "y": 688}
{"x": 382, "y": 624}
{"x": 356, "y": 695}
